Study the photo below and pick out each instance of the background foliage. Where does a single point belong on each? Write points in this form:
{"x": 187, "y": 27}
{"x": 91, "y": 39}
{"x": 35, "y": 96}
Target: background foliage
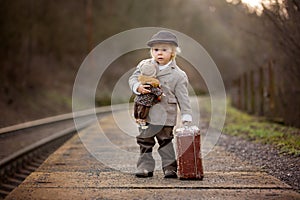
{"x": 44, "y": 42}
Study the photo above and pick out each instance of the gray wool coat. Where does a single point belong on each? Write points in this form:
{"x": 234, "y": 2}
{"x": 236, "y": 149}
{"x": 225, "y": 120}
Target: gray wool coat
{"x": 174, "y": 84}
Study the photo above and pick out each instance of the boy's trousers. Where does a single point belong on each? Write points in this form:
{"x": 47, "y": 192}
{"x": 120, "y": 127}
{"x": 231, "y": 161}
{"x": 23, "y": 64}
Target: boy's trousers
{"x": 146, "y": 140}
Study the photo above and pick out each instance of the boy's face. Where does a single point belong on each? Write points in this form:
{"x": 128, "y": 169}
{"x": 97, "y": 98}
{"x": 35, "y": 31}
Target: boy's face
{"x": 162, "y": 53}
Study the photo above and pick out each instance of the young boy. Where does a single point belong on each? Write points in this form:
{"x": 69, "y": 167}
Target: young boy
{"x": 162, "y": 116}
{"x": 143, "y": 102}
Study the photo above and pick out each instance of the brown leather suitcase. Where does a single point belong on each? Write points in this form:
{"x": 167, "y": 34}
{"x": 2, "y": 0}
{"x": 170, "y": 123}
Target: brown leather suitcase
{"x": 188, "y": 146}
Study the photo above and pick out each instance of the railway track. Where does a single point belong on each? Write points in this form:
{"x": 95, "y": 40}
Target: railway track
{"x": 24, "y": 147}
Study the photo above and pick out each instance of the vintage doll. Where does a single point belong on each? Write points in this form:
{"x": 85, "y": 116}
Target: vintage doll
{"x": 143, "y": 102}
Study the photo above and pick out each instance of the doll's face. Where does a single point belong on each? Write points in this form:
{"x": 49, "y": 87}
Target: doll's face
{"x": 162, "y": 53}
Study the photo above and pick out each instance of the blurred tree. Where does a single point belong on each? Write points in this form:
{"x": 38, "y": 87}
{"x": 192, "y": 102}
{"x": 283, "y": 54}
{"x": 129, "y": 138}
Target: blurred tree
{"x": 40, "y": 43}
{"x": 89, "y": 24}
{"x": 284, "y": 21}
{"x": 279, "y": 29}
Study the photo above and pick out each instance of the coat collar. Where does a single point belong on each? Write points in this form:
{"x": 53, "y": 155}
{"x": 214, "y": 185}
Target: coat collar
{"x": 168, "y": 69}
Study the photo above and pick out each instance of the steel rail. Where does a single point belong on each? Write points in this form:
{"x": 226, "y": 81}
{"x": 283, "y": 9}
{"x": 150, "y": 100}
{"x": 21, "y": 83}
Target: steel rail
{"x": 10, "y": 164}
{"x": 54, "y": 119}
{"x": 100, "y": 110}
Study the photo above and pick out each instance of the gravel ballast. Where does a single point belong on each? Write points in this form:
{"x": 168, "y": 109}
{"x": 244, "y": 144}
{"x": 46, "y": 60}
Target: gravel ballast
{"x": 282, "y": 166}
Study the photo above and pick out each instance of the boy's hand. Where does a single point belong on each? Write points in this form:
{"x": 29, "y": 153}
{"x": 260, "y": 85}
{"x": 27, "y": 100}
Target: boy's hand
{"x": 143, "y": 89}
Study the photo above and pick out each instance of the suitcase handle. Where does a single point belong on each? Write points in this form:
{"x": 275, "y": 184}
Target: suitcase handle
{"x": 192, "y": 130}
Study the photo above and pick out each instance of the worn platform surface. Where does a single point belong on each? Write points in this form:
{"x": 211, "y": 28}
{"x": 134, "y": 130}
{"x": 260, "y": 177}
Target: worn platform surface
{"x": 99, "y": 163}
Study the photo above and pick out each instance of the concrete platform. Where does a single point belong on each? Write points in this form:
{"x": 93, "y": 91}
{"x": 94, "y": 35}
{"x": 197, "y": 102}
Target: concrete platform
{"x": 99, "y": 162}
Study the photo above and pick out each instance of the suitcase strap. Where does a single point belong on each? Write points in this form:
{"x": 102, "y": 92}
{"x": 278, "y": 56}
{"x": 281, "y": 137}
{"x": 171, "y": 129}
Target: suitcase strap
{"x": 195, "y": 155}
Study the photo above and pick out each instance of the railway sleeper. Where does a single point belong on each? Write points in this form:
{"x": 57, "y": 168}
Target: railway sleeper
{"x": 29, "y": 168}
{"x": 20, "y": 176}
{"x": 3, "y": 193}
{"x": 14, "y": 180}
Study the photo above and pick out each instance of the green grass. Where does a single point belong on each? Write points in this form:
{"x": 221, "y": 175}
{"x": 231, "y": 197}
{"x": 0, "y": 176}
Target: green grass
{"x": 285, "y": 138}
{"x": 256, "y": 129}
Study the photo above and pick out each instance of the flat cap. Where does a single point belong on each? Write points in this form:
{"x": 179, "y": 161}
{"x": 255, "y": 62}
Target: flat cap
{"x": 163, "y": 37}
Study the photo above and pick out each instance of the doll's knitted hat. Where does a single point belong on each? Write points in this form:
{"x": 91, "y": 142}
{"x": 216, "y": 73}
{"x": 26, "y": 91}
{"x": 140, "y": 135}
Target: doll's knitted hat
{"x": 148, "y": 69}
{"x": 163, "y": 37}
